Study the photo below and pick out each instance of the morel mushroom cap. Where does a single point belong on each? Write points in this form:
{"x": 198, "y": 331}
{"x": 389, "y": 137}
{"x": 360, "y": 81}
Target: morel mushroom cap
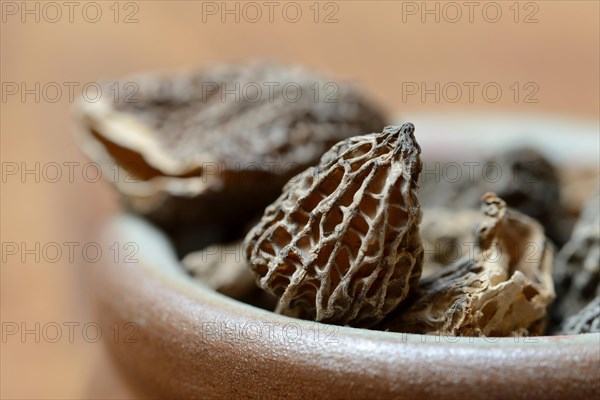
{"x": 219, "y": 144}
{"x": 341, "y": 245}
{"x": 577, "y": 273}
{"x": 524, "y": 178}
{"x": 503, "y": 290}
{"x": 587, "y": 320}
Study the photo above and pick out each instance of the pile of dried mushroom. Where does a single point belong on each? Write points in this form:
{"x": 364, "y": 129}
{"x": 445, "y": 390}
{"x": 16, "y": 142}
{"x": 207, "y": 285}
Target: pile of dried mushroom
{"x": 350, "y": 234}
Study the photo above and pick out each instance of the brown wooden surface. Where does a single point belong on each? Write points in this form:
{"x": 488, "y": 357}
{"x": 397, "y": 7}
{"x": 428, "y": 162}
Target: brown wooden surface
{"x": 370, "y": 45}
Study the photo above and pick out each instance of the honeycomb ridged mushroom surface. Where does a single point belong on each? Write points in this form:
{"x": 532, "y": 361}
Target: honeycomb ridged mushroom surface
{"x": 341, "y": 245}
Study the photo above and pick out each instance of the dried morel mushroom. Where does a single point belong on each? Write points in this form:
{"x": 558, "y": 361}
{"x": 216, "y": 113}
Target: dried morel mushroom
{"x": 577, "y": 273}
{"x": 222, "y": 268}
{"x": 448, "y": 236}
{"x": 585, "y": 321}
{"x": 341, "y": 245}
{"x": 523, "y": 177}
{"x": 503, "y": 290}
{"x": 219, "y": 144}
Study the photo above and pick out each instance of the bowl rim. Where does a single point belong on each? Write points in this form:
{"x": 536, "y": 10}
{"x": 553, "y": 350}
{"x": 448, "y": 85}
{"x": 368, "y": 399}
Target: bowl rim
{"x": 161, "y": 261}
{"x": 177, "y": 356}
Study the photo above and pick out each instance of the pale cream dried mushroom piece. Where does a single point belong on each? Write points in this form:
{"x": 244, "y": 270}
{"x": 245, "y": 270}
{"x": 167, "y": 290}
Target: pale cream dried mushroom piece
{"x": 504, "y": 290}
{"x": 217, "y": 144}
{"x": 448, "y": 236}
{"x": 341, "y": 244}
{"x": 222, "y": 268}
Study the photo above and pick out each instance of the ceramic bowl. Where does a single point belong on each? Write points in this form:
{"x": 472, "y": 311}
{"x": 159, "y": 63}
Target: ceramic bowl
{"x": 179, "y": 340}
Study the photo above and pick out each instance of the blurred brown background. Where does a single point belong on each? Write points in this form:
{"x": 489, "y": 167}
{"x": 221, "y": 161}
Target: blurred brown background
{"x": 380, "y": 45}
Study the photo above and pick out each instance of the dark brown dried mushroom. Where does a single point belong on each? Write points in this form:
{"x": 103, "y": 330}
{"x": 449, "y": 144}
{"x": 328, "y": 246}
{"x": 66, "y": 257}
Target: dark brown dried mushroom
{"x": 585, "y": 321}
{"x": 502, "y": 291}
{"x": 341, "y": 245}
{"x": 577, "y": 273}
{"x": 217, "y": 145}
{"x": 523, "y": 177}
